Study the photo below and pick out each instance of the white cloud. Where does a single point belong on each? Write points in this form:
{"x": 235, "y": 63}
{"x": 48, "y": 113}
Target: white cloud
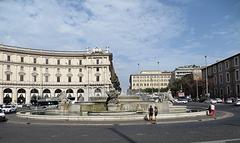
{"x": 137, "y": 31}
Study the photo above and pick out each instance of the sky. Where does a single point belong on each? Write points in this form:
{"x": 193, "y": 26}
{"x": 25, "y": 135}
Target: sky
{"x": 172, "y": 32}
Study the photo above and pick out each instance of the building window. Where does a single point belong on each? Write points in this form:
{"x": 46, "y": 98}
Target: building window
{"x": 238, "y": 89}
{"x": 22, "y": 59}
{"x": 80, "y": 70}
{"x": 69, "y": 70}
{"x": 8, "y": 58}
{"x": 226, "y": 65}
{"x": 69, "y": 62}
{"x": 97, "y": 61}
{"x": 8, "y": 67}
{"x": 46, "y": 78}
{"x": 97, "y": 78}
{"x": 58, "y": 69}
{"x": 221, "y": 92}
{"x": 80, "y": 79}
{"x": 34, "y": 60}
{"x": 220, "y": 78}
{"x": 228, "y": 89}
{"x": 58, "y": 62}
{"x": 237, "y": 75}
{"x": 21, "y": 78}
{"x": 227, "y": 77}
{"x": 80, "y": 62}
{"x": 97, "y": 69}
{"x": 46, "y": 70}
{"x": 215, "y": 79}
{"x": 46, "y": 61}
{"x": 8, "y": 77}
{"x": 220, "y": 67}
{"x": 236, "y": 61}
{"x": 69, "y": 79}
{"x": 34, "y": 69}
{"x": 34, "y": 78}
{"x": 58, "y": 79}
{"x": 21, "y": 68}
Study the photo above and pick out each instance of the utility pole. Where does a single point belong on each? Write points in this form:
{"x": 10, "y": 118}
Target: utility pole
{"x": 158, "y": 78}
{"x": 206, "y": 75}
{"x": 138, "y": 78}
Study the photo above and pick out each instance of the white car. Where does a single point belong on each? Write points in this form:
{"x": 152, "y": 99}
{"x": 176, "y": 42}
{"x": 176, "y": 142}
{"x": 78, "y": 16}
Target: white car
{"x": 181, "y": 100}
{"x": 219, "y": 100}
{"x": 229, "y": 101}
{"x": 9, "y": 108}
{"x": 212, "y": 101}
{"x": 2, "y": 115}
{"x": 237, "y": 103}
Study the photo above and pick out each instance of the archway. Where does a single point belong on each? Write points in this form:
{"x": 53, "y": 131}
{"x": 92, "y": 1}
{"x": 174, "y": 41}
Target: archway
{"x": 69, "y": 93}
{"x": 46, "y": 93}
{"x": 34, "y": 96}
{"x": 98, "y": 92}
{"x": 21, "y": 94}
{"x": 7, "y": 97}
{"x": 80, "y": 93}
{"x": 57, "y": 92}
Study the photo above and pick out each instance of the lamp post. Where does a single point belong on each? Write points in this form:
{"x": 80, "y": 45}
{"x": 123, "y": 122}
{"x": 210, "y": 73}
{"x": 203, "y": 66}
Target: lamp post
{"x": 158, "y": 78}
{"x": 139, "y": 78}
{"x": 206, "y": 75}
{"x": 197, "y": 86}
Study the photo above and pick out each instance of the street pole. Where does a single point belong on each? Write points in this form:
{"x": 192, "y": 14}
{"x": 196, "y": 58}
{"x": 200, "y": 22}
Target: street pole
{"x": 206, "y": 75}
{"x": 138, "y": 78}
{"x": 197, "y": 86}
{"x": 158, "y": 78}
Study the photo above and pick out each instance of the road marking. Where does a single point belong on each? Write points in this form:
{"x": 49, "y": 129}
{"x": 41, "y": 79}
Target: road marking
{"x": 139, "y": 134}
{"x": 220, "y": 141}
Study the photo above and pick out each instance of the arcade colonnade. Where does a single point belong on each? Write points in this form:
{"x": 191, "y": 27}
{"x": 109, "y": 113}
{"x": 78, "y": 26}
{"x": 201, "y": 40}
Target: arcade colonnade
{"x": 23, "y": 95}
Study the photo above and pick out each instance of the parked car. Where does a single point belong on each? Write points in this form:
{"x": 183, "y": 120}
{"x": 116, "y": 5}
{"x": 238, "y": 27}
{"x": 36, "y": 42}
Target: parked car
{"x": 212, "y": 101}
{"x": 219, "y": 100}
{"x": 9, "y": 108}
{"x": 181, "y": 100}
{"x": 229, "y": 101}
{"x": 2, "y": 115}
{"x": 237, "y": 102}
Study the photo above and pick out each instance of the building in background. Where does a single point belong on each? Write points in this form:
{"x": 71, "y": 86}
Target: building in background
{"x": 224, "y": 78}
{"x": 149, "y": 79}
{"x": 29, "y": 73}
{"x": 184, "y": 70}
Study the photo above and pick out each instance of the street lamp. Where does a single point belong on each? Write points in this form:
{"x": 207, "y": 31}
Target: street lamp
{"x": 158, "y": 78}
{"x": 139, "y": 78}
{"x": 206, "y": 75}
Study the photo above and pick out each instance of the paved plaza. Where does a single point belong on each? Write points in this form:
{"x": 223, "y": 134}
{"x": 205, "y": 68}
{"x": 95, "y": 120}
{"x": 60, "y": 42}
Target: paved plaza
{"x": 181, "y": 130}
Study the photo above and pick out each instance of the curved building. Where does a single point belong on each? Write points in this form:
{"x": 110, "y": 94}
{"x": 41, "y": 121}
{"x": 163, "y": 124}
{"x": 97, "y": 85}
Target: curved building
{"x": 27, "y": 74}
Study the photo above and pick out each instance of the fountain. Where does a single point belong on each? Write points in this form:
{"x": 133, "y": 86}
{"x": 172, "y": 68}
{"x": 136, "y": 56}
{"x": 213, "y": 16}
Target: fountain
{"x": 112, "y": 107}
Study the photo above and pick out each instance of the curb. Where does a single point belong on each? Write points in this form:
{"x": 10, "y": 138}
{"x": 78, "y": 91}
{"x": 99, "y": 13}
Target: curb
{"x": 109, "y": 118}
{"x": 111, "y": 123}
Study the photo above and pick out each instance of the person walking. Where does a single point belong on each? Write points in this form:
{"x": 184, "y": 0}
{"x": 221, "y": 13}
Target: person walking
{"x": 150, "y": 112}
{"x": 155, "y": 113}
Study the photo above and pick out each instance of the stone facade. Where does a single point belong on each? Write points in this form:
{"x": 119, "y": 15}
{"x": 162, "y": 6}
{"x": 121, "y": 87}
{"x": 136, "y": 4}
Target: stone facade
{"x": 28, "y": 72}
{"x": 224, "y": 78}
{"x": 184, "y": 70}
{"x": 149, "y": 79}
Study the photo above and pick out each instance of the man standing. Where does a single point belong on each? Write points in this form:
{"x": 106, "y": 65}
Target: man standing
{"x": 155, "y": 112}
{"x": 150, "y": 112}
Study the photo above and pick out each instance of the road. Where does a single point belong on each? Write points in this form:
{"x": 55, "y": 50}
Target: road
{"x": 224, "y": 130}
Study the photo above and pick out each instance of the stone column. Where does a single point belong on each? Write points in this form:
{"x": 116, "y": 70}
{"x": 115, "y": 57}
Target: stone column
{"x": 14, "y": 95}
{"x": 1, "y": 95}
{"x": 75, "y": 94}
{"x": 28, "y": 97}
